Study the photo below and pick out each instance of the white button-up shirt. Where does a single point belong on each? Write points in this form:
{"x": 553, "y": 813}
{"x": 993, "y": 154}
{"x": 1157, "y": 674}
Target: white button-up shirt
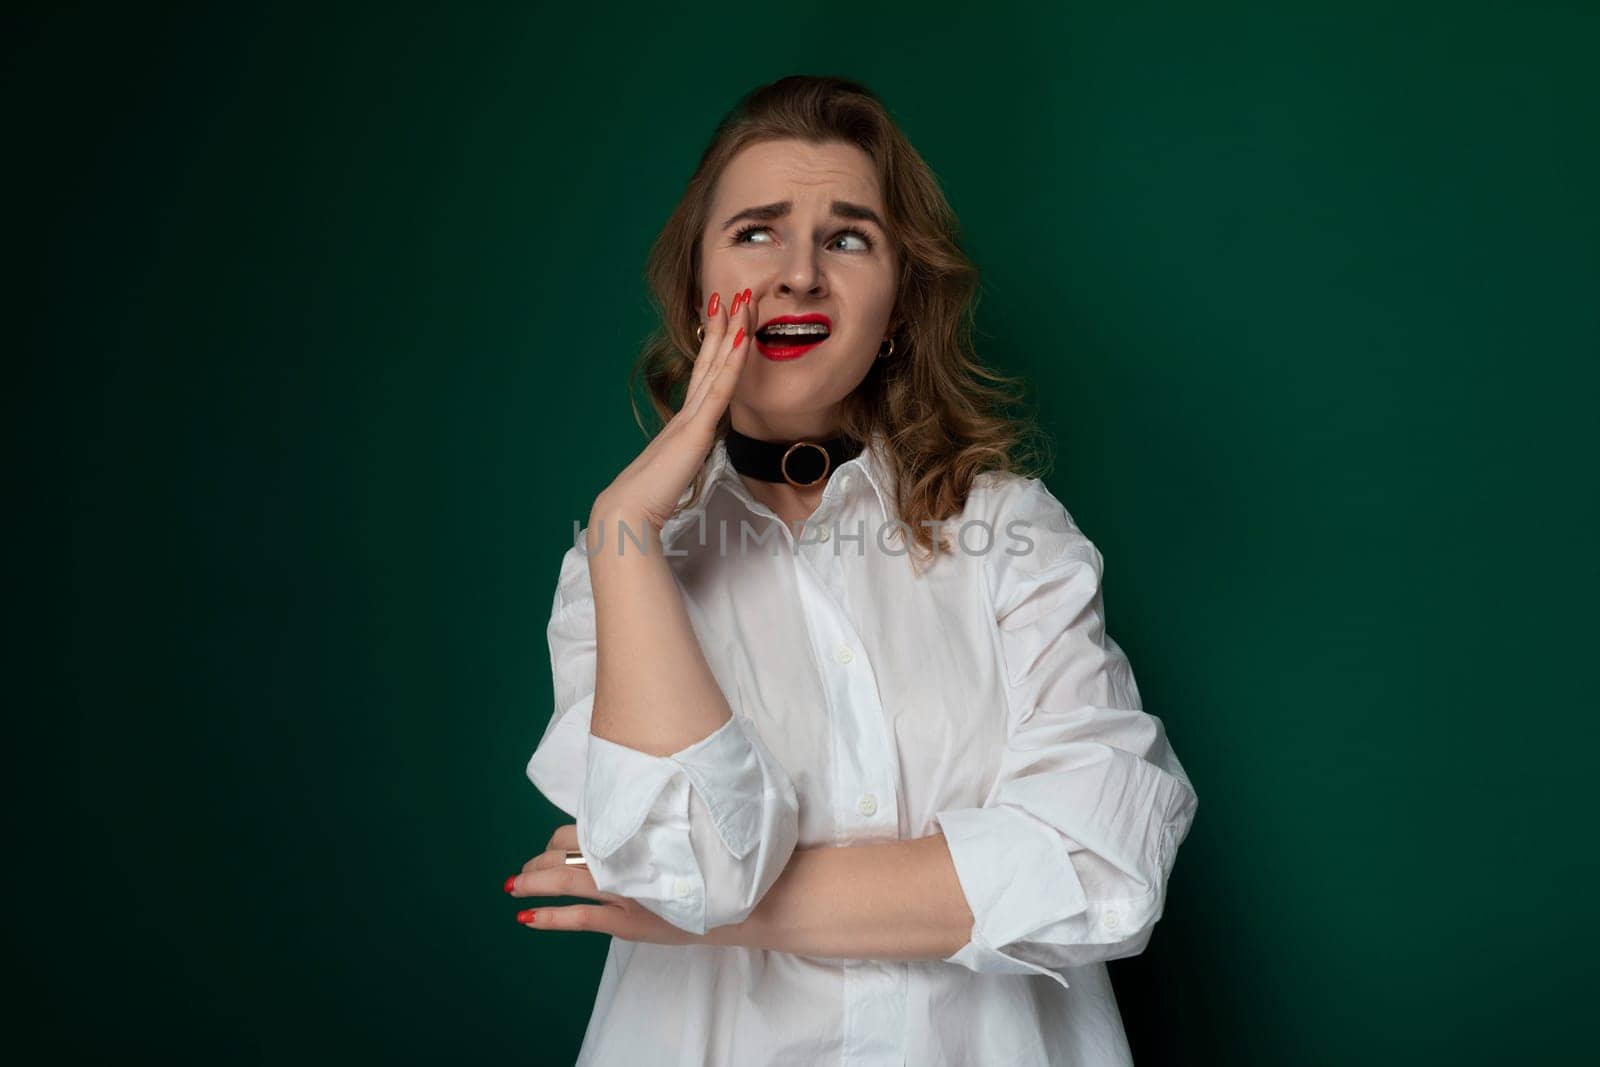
{"x": 980, "y": 698}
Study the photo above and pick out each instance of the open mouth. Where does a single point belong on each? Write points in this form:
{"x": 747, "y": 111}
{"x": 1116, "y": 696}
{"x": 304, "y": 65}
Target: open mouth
{"x": 792, "y": 335}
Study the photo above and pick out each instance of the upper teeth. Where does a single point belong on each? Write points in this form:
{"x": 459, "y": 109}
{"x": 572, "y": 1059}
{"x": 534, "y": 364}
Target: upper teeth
{"x": 796, "y": 328}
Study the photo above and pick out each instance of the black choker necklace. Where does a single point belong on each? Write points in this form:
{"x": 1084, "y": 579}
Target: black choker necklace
{"x": 802, "y": 463}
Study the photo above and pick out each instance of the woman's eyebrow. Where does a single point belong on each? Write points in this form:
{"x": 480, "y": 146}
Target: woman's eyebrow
{"x": 842, "y": 208}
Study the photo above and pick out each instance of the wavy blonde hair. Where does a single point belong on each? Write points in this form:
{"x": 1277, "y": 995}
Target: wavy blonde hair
{"x": 945, "y": 417}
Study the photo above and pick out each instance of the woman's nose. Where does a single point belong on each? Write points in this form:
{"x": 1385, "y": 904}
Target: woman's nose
{"x": 802, "y": 273}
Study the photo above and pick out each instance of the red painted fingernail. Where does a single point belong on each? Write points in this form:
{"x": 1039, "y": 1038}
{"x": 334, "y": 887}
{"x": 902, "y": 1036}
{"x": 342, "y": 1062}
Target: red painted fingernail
{"x": 511, "y": 883}
{"x": 747, "y": 296}
{"x": 738, "y": 337}
{"x": 733, "y": 308}
{"x": 716, "y": 302}
{"x": 526, "y": 916}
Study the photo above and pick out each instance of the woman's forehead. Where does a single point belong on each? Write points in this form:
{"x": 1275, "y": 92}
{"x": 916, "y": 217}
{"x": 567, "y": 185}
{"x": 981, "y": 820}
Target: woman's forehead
{"x": 797, "y": 170}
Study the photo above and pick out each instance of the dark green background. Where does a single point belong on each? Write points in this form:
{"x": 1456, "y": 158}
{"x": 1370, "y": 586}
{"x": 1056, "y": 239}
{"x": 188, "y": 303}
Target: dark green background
{"x": 324, "y": 318}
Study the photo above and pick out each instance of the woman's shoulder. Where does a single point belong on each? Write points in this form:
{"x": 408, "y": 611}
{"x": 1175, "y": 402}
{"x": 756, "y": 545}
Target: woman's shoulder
{"x": 1033, "y": 531}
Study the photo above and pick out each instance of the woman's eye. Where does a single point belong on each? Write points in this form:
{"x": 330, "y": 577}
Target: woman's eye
{"x": 863, "y": 242}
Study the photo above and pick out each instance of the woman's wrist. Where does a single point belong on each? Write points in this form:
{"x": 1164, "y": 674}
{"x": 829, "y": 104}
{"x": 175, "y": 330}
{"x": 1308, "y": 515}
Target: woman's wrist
{"x": 620, "y": 523}
{"x": 746, "y": 934}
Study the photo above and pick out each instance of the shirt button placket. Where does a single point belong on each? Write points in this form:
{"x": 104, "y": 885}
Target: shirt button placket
{"x": 861, "y": 776}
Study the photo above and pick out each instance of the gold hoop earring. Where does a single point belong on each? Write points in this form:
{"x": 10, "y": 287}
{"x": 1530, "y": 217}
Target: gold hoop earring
{"x": 885, "y": 355}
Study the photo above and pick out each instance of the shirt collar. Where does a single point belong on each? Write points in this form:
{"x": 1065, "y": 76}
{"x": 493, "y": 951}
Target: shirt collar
{"x": 872, "y": 462}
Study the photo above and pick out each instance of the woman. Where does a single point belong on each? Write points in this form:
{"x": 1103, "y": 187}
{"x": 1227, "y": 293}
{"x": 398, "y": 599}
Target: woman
{"x": 851, "y": 784}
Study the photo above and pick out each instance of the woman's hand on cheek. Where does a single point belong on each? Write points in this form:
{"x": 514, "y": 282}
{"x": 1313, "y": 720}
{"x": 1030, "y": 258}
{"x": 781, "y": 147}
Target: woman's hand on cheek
{"x": 651, "y": 485}
{"x": 549, "y": 875}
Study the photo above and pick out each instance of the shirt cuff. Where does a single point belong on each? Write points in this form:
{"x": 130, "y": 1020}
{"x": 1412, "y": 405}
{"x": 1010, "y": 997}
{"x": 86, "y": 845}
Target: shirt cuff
{"x": 697, "y": 836}
{"x": 623, "y": 783}
{"x": 1017, "y": 879}
{"x": 557, "y": 765}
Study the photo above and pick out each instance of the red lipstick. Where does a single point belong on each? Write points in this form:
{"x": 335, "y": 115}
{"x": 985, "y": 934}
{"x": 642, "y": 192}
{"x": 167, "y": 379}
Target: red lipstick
{"x": 777, "y": 346}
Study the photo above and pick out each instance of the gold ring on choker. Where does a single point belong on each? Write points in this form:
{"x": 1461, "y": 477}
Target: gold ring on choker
{"x": 783, "y": 464}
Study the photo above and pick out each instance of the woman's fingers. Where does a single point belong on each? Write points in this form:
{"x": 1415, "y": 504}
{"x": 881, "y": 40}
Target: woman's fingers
{"x": 710, "y": 397}
{"x": 716, "y": 325}
{"x": 556, "y": 879}
{"x": 554, "y": 858}
{"x": 630, "y": 923}
{"x": 597, "y": 918}
{"x": 709, "y": 357}
{"x": 727, "y": 373}
{"x": 564, "y": 837}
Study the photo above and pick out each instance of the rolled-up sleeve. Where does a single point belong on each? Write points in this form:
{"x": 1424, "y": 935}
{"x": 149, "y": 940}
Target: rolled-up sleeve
{"x": 698, "y": 836}
{"x": 1066, "y": 862}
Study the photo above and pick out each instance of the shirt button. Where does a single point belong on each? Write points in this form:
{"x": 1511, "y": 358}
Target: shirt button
{"x": 682, "y": 887}
{"x": 868, "y": 804}
{"x": 844, "y": 654}
{"x": 822, "y": 534}
{"x": 1111, "y": 920}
